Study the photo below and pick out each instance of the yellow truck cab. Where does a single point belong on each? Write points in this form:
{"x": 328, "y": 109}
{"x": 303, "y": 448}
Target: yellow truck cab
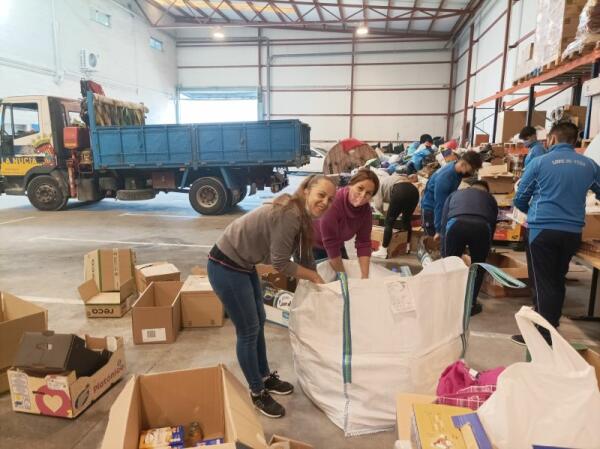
{"x": 32, "y": 155}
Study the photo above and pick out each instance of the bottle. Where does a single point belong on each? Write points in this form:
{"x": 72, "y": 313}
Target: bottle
{"x": 194, "y": 434}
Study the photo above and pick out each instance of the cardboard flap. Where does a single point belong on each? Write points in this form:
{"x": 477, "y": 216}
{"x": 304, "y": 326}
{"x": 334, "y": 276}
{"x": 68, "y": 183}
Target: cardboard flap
{"x": 493, "y": 170}
{"x": 242, "y": 423}
{"x": 158, "y": 269}
{"x": 195, "y": 283}
{"x": 124, "y": 420}
{"x": 88, "y": 290}
{"x": 13, "y": 307}
{"x": 292, "y": 444}
{"x": 199, "y": 271}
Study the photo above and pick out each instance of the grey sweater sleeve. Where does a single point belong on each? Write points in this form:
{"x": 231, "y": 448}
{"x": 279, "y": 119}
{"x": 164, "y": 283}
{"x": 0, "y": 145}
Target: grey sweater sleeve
{"x": 285, "y": 231}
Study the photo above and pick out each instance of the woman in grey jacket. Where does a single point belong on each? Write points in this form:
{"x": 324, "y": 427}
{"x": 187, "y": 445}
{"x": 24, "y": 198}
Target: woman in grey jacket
{"x": 271, "y": 234}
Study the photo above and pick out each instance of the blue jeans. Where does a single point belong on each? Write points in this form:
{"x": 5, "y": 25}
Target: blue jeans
{"x": 242, "y": 298}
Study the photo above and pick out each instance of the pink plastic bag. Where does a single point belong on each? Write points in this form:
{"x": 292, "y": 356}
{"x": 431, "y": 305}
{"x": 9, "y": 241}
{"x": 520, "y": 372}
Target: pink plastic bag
{"x": 462, "y": 386}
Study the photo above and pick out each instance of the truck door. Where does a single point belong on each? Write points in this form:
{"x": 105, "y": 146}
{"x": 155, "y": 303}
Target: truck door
{"x": 23, "y": 146}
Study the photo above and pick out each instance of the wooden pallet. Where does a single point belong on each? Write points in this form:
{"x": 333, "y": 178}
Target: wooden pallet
{"x": 588, "y": 48}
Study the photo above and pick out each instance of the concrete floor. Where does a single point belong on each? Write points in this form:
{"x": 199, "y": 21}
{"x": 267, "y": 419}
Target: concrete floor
{"x": 41, "y": 259}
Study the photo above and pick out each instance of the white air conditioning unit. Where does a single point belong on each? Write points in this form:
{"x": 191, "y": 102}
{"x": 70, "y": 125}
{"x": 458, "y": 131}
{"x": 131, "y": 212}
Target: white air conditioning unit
{"x": 88, "y": 61}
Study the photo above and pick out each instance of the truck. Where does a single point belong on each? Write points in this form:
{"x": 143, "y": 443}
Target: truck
{"x": 53, "y": 149}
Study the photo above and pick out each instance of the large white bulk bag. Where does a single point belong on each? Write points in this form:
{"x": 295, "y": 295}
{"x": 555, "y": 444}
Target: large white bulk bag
{"x": 389, "y": 334}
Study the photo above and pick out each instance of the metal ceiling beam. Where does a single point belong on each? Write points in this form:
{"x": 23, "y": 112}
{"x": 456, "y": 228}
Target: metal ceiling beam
{"x": 384, "y": 6}
{"x": 257, "y": 13}
{"x": 238, "y": 13}
{"x": 296, "y": 10}
{"x": 276, "y": 10}
{"x": 412, "y": 14}
{"x": 387, "y": 24}
{"x": 435, "y": 16}
{"x": 318, "y": 8}
{"x": 216, "y": 10}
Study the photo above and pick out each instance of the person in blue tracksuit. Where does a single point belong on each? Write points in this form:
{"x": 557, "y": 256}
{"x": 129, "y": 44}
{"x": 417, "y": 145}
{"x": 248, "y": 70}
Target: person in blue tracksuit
{"x": 441, "y": 184}
{"x": 469, "y": 220}
{"x": 529, "y": 137}
{"x": 418, "y": 157}
{"x": 552, "y": 192}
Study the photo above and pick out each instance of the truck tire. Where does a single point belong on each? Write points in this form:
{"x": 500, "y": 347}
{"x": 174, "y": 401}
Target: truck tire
{"x": 45, "y": 194}
{"x": 209, "y": 196}
{"x": 135, "y": 194}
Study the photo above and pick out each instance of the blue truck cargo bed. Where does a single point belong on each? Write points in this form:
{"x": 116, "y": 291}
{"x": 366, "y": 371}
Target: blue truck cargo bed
{"x": 274, "y": 142}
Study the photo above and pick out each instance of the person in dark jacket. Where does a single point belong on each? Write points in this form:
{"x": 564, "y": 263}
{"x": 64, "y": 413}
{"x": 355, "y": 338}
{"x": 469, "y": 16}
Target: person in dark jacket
{"x": 552, "y": 193}
{"x": 469, "y": 220}
{"x": 441, "y": 184}
{"x": 529, "y": 137}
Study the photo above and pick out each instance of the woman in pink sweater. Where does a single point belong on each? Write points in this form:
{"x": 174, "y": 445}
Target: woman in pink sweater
{"x": 349, "y": 216}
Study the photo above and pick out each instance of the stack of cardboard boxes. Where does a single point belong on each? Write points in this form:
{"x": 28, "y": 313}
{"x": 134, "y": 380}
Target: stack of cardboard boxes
{"x": 16, "y": 317}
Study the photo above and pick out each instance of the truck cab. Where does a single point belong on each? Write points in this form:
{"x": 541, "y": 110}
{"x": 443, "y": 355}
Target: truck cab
{"x": 31, "y": 145}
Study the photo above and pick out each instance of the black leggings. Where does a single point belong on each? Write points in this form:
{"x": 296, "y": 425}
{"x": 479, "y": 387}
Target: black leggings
{"x": 403, "y": 201}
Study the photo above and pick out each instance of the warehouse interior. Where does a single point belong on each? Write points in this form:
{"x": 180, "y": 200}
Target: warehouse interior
{"x": 382, "y": 72}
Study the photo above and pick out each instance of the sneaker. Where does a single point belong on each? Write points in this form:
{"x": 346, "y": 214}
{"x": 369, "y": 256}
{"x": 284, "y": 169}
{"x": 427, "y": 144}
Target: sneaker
{"x": 518, "y": 339}
{"x": 268, "y": 406}
{"x": 476, "y": 308}
{"x": 381, "y": 253}
{"x": 276, "y": 386}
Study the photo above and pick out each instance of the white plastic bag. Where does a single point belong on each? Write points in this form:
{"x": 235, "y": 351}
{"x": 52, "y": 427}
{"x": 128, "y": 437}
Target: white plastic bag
{"x": 397, "y": 334}
{"x": 554, "y": 400}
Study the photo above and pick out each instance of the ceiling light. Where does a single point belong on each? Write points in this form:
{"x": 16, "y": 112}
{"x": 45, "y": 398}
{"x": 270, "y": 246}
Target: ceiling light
{"x": 362, "y": 30}
{"x": 218, "y": 34}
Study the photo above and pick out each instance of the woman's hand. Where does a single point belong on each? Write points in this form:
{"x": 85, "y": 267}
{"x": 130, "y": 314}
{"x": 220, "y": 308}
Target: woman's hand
{"x": 317, "y": 279}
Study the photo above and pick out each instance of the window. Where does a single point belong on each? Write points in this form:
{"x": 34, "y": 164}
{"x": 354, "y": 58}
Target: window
{"x": 7, "y": 128}
{"x": 156, "y": 44}
{"x": 25, "y": 119}
{"x": 101, "y": 18}
{"x": 212, "y": 106}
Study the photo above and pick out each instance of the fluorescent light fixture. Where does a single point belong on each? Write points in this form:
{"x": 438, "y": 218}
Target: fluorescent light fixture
{"x": 362, "y": 30}
{"x": 218, "y": 34}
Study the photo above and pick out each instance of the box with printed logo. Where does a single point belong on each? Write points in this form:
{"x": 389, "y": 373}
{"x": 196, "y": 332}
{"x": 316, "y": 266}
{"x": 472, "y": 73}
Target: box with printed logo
{"x": 64, "y": 394}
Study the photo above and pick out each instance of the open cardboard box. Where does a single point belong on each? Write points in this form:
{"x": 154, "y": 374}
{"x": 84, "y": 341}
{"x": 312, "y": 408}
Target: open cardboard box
{"x": 155, "y": 271}
{"x": 107, "y": 304}
{"x": 110, "y": 268}
{"x": 65, "y": 395}
{"x": 211, "y": 396}
{"x": 510, "y": 266}
{"x": 200, "y": 305}
{"x": 156, "y": 315}
{"x": 397, "y": 244}
{"x": 16, "y": 317}
{"x": 278, "y": 280}
{"x": 404, "y": 413}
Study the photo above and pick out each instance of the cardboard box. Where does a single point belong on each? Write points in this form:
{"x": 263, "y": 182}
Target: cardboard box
{"x": 593, "y": 358}
{"x": 271, "y": 276}
{"x": 591, "y": 230}
{"x": 110, "y": 268}
{"x": 504, "y": 199}
{"x": 200, "y": 305}
{"x": 500, "y": 183}
{"x": 509, "y": 232}
{"x": 279, "y": 442}
{"x": 46, "y": 352}
{"x": 199, "y": 271}
{"x": 212, "y": 396}
{"x": 397, "y": 244}
{"x": 510, "y": 266}
{"x": 492, "y": 170}
{"x": 404, "y": 412}
{"x": 65, "y": 395}
{"x": 16, "y": 317}
{"x": 156, "y": 315}
{"x": 155, "y": 271}
{"x": 512, "y": 122}
{"x": 107, "y": 304}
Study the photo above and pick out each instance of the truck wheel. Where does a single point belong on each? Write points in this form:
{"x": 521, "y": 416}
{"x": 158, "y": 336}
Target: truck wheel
{"x": 243, "y": 193}
{"x": 45, "y": 194}
{"x": 208, "y": 196}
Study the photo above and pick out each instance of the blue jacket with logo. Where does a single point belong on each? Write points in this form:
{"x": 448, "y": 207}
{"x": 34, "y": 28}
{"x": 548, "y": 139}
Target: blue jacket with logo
{"x": 535, "y": 149}
{"x": 443, "y": 182}
{"x": 553, "y": 189}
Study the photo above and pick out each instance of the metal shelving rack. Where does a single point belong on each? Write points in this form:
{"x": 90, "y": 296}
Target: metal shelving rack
{"x": 570, "y": 73}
